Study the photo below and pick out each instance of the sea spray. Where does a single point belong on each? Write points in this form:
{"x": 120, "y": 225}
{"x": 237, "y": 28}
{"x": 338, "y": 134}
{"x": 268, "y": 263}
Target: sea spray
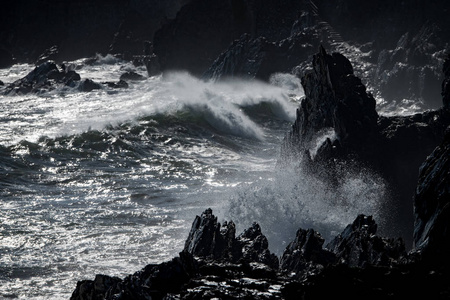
{"x": 293, "y": 198}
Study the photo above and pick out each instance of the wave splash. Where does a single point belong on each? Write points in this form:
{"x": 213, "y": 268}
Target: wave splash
{"x": 293, "y": 198}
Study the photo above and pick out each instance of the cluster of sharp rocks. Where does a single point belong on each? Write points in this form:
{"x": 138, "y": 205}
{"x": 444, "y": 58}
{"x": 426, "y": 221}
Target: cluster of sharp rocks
{"x": 218, "y": 264}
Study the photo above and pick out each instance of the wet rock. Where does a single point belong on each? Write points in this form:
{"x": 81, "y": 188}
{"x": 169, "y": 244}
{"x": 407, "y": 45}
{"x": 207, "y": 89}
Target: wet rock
{"x": 209, "y": 240}
{"x": 446, "y": 83}
{"x": 358, "y": 246}
{"x": 203, "y": 29}
{"x": 132, "y": 76}
{"x": 335, "y": 99}
{"x": 432, "y": 205}
{"x": 305, "y": 254}
{"x": 394, "y": 147}
{"x": 94, "y": 289}
{"x": 49, "y": 54}
{"x": 121, "y": 84}
{"x": 152, "y": 65}
{"x": 44, "y": 77}
{"x": 259, "y": 58}
{"x": 413, "y": 69}
{"x": 88, "y": 85}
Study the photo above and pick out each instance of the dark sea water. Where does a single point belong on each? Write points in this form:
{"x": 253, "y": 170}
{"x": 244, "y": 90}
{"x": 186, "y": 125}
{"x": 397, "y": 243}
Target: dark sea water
{"x": 111, "y": 180}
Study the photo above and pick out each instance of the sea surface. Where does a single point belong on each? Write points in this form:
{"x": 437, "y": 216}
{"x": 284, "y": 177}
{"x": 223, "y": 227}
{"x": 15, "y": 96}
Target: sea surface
{"x": 110, "y": 180}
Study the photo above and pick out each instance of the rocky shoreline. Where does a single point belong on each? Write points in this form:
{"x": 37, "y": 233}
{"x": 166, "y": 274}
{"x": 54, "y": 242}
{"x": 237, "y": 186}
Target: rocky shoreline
{"x": 215, "y": 263}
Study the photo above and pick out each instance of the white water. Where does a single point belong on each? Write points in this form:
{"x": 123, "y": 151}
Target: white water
{"x": 122, "y": 174}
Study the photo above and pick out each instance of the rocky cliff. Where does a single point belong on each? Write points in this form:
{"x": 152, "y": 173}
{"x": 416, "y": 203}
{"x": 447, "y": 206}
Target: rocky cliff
{"x": 337, "y": 101}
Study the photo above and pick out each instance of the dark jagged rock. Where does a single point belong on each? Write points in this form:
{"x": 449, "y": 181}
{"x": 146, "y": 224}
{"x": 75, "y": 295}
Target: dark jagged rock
{"x": 203, "y": 29}
{"x": 207, "y": 239}
{"x": 152, "y": 65}
{"x": 305, "y": 254}
{"x": 259, "y": 58}
{"x": 412, "y": 69}
{"x": 432, "y": 206}
{"x": 358, "y": 245}
{"x": 94, "y": 289}
{"x": 336, "y": 99}
{"x": 446, "y": 83}
{"x": 42, "y": 78}
{"x": 141, "y": 21}
{"x": 393, "y": 147}
{"x": 132, "y": 76}
{"x": 49, "y": 54}
{"x": 207, "y": 268}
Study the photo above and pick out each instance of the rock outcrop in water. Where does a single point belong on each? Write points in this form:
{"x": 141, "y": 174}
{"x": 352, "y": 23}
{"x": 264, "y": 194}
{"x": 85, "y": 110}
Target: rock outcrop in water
{"x": 42, "y": 79}
{"x": 48, "y": 76}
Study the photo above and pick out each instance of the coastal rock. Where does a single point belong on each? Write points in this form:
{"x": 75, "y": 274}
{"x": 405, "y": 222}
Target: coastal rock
{"x": 42, "y": 78}
{"x": 132, "y": 76}
{"x": 432, "y": 205}
{"x": 337, "y": 122}
{"x": 259, "y": 58}
{"x": 152, "y": 65}
{"x": 358, "y": 246}
{"x": 337, "y": 100}
{"x": 203, "y": 29}
{"x": 412, "y": 70}
{"x": 88, "y": 85}
{"x": 208, "y": 240}
{"x": 446, "y": 83}
{"x": 305, "y": 255}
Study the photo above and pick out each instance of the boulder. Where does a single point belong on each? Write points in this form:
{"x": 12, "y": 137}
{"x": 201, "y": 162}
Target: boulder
{"x": 132, "y": 76}
{"x": 88, "y": 85}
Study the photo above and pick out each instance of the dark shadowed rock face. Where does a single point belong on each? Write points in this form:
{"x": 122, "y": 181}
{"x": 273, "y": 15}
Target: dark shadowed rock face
{"x": 432, "y": 205}
{"x": 335, "y": 99}
{"x": 358, "y": 246}
{"x": 446, "y": 84}
{"x": 208, "y": 240}
{"x": 305, "y": 255}
{"x": 43, "y": 78}
{"x": 259, "y": 58}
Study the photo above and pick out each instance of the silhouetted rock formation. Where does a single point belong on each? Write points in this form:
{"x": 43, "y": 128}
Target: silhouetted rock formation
{"x": 337, "y": 101}
{"x": 205, "y": 28}
{"x": 42, "y": 79}
{"x": 214, "y": 263}
{"x": 432, "y": 205}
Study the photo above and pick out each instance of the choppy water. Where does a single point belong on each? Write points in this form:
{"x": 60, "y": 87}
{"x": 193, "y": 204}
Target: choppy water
{"x": 109, "y": 181}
